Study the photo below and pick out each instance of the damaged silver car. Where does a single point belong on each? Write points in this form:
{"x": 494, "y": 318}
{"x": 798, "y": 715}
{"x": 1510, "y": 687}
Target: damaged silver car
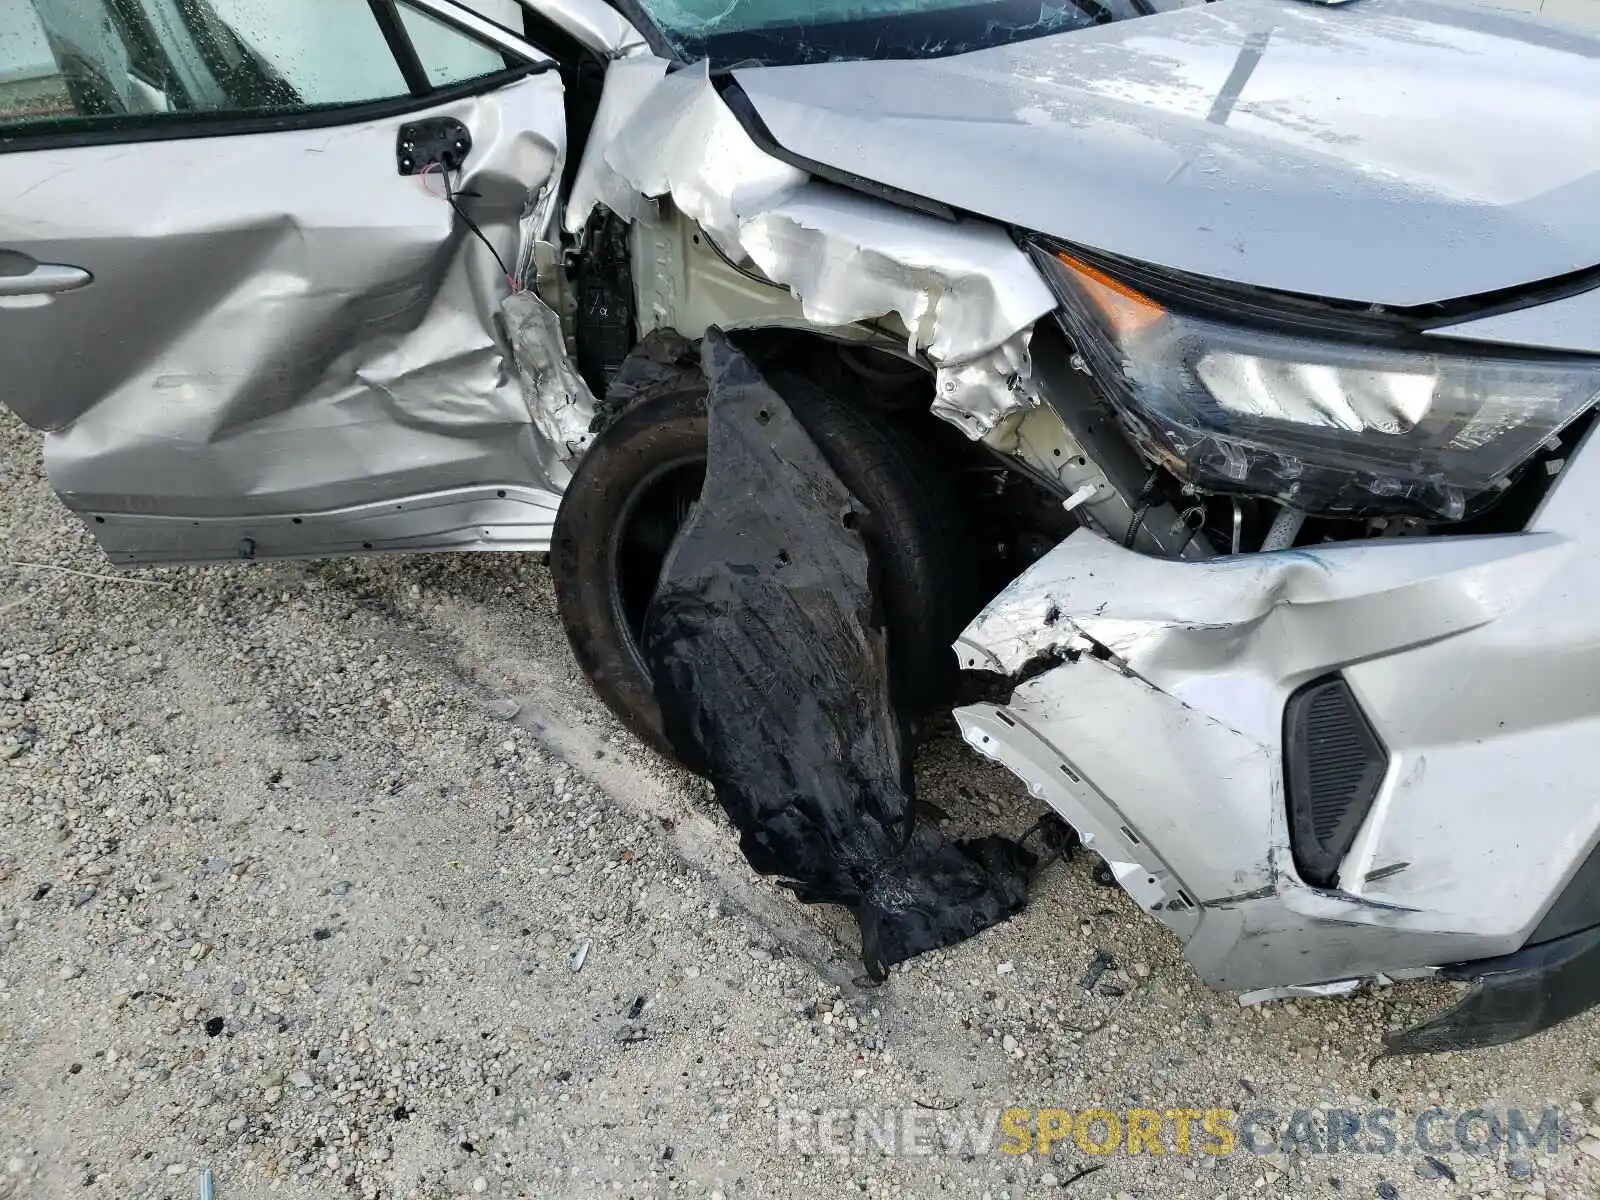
{"x": 1214, "y": 375}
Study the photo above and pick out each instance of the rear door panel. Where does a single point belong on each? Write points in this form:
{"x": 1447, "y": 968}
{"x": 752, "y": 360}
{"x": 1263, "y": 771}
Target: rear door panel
{"x": 287, "y": 347}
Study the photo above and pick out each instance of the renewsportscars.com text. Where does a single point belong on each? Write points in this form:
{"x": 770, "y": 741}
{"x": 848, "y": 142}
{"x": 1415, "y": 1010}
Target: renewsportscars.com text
{"x": 1178, "y": 1130}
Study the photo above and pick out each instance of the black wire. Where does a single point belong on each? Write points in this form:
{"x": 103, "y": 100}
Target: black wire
{"x": 1146, "y": 502}
{"x": 450, "y": 197}
{"x": 1036, "y": 827}
{"x": 1135, "y": 525}
{"x": 753, "y": 275}
{"x": 1059, "y": 838}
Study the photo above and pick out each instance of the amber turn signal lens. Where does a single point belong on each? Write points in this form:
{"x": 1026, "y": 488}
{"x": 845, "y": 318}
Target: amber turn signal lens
{"x": 1124, "y": 310}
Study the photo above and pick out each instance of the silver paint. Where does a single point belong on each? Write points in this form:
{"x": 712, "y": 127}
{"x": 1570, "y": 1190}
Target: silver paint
{"x": 283, "y": 348}
{"x": 1571, "y": 323}
{"x": 1391, "y": 151}
{"x": 961, "y": 288}
{"x": 681, "y": 140}
{"x": 1470, "y": 655}
{"x": 508, "y": 517}
{"x": 281, "y": 323}
{"x": 967, "y": 297}
{"x": 328, "y": 370}
{"x": 993, "y": 732}
{"x": 594, "y": 24}
{"x": 558, "y": 399}
{"x": 628, "y": 83}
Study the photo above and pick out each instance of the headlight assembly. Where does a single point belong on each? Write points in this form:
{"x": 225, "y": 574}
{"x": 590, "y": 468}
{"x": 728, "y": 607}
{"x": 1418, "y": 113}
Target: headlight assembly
{"x": 1323, "y": 426}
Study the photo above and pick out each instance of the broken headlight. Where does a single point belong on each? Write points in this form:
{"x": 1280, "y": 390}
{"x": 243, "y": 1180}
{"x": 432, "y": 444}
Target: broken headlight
{"x": 1321, "y": 425}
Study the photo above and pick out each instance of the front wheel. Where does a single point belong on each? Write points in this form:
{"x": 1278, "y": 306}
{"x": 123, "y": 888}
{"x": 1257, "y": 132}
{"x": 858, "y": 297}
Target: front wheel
{"x": 634, "y": 489}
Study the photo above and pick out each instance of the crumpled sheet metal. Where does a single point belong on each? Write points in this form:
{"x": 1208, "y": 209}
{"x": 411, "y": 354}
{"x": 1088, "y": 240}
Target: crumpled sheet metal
{"x": 1151, "y": 702}
{"x": 277, "y": 360}
{"x": 629, "y": 82}
{"x": 1181, "y": 625}
{"x": 772, "y": 677}
{"x": 961, "y": 289}
{"x": 967, "y": 295}
{"x": 677, "y": 138}
{"x": 594, "y": 24}
{"x": 559, "y": 401}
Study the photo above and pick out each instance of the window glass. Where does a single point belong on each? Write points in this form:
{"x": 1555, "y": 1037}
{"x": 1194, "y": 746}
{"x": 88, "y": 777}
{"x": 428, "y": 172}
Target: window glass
{"x": 787, "y": 32}
{"x": 30, "y": 79}
{"x": 448, "y": 55}
{"x": 93, "y": 60}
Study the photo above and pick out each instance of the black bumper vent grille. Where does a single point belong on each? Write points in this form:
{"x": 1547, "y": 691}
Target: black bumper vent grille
{"x": 1335, "y": 765}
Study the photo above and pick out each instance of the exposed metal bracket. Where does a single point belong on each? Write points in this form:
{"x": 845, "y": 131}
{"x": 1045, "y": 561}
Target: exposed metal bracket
{"x": 1089, "y": 449}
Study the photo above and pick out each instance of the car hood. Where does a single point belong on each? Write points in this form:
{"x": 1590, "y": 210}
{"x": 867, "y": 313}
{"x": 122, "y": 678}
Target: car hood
{"x": 1396, "y": 152}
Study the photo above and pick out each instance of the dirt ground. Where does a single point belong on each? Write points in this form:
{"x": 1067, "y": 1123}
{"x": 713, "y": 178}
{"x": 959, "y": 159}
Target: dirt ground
{"x": 334, "y": 878}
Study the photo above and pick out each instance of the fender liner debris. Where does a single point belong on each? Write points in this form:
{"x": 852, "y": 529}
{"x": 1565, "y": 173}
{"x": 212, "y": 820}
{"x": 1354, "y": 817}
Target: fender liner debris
{"x": 771, "y": 671}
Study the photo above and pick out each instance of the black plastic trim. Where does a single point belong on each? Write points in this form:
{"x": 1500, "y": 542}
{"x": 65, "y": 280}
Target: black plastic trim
{"x": 1578, "y": 906}
{"x": 1513, "y": 996}
{"x": 1506, "y": 300}
{"x": 1318, "y": 853}
{"x": 739, "y": 103}
{"x": 1296, "y": 312}
{"x": 433, "y": 141}
{"x": 654, "y": 36}
{"x": 400, "y": 45}
{"x": 123, "y": 130}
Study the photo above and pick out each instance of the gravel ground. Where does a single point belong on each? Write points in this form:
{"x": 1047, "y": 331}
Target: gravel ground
{"x": 333, "y": 877}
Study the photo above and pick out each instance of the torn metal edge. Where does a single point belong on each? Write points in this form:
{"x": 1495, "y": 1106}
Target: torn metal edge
{"x": 996, "y": 734}
{"x": 559, "y": 401}
{"x": 965, "y": 293}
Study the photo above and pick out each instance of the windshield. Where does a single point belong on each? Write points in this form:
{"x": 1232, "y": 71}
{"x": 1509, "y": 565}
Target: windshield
{"x": 786, "y": 32}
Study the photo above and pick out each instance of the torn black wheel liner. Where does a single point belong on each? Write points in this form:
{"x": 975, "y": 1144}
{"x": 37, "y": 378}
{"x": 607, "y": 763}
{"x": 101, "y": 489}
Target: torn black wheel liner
{"x": 770, "y": 667}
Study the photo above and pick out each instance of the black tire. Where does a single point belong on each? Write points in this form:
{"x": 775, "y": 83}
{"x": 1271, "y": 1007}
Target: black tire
{"x": 633, "y": 489}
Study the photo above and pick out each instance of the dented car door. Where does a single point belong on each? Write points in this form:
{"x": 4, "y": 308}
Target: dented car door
{"x": 251, "y": 269}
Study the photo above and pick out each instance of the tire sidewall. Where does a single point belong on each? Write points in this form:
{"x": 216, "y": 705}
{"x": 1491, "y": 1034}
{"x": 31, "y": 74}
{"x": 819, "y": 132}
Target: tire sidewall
{"x": 653, "y": 431}
{"x": 917, "y": 577}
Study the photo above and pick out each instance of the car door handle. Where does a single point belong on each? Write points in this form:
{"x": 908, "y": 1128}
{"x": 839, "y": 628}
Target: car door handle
{"x": 46, "y": 279}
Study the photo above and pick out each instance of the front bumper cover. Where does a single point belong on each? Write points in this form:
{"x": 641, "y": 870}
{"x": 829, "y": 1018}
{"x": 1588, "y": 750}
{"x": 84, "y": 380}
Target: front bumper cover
{"x": 1150, "y": 716}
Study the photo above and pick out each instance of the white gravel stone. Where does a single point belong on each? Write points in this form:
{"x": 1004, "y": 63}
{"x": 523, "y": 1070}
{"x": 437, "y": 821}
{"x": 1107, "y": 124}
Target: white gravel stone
{"x": 334, "y": 735}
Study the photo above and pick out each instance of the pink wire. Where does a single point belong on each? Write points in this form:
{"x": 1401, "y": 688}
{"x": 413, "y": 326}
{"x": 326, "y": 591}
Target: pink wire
{"x": 422, "y": 177}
